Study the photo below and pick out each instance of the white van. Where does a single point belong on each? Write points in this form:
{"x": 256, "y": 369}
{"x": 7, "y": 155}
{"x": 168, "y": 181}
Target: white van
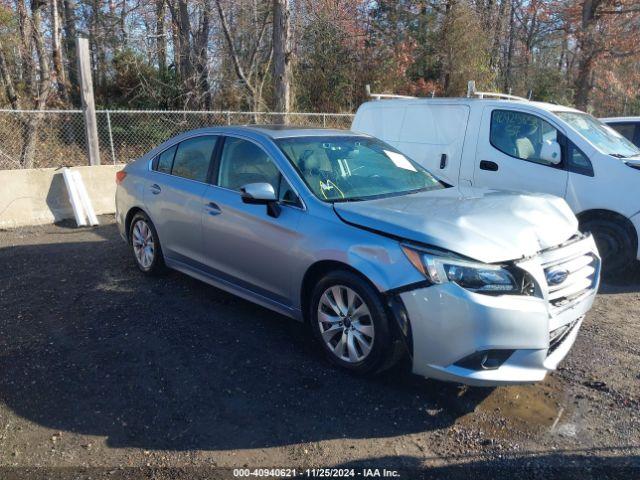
{"x": 522, "y": 145}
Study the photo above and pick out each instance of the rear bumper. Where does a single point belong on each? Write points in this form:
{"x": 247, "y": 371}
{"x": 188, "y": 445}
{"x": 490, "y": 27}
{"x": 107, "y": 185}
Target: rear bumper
{"x": 449, "y": 323}
{"x": 120, "y": 222}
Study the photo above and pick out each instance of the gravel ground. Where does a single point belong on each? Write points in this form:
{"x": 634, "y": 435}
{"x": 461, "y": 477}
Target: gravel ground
{"x": 104, "y": 372}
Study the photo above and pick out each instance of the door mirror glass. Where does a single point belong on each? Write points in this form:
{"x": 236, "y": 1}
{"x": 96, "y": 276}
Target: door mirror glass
{"x": 550, "y": 152}
{"x": 258, "y": 193}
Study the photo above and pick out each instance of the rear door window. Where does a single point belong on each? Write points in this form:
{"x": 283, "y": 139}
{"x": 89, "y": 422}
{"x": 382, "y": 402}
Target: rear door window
{"x": 193, "y": 158}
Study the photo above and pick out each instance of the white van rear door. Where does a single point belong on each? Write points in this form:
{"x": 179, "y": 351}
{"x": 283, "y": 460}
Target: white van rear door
{"x": 509, "y": 149}
{"x": 381, "y": 119}
{"x": 433, "y": 135}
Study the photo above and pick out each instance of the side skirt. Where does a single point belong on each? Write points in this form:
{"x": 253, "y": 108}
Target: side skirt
{"x": 234, "y": 289}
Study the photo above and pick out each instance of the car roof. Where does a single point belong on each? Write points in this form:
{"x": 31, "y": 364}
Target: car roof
{"x": 550, "y": 107}
{"x": 271, "y": 131}
{"x": 282, "y": 131}
{"x": 621, "y": 119}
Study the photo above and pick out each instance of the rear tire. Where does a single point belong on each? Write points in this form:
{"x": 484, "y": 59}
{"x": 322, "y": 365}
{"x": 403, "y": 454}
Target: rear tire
{"x": 145, "y": 245}
{"x": 616, "y": 245}
{"x": 349, "y": 321}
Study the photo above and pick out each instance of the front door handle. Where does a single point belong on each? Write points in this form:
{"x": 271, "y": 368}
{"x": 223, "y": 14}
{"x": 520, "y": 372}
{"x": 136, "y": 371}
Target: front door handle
{"x": 155, "y": 189}
{"x": 213, "y": 208}
{"x": 488, "y": 165}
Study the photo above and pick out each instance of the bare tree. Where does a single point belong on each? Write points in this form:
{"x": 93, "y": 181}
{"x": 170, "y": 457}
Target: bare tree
{"x": 250, "y": 66}
{"x": 56, "y": 50}
{"x": 161, "y": 39}
{"x": 201, "y": 44}
{"x": 35, "y": 74}
{"x": 281, "y": 58}
{"x": 70, "y": 34}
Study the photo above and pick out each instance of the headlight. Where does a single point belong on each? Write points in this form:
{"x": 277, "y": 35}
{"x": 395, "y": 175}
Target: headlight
{"x": 477, "y": 277}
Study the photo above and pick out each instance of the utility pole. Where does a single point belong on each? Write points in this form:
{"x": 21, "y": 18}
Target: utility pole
{"x": 88, "y": 104}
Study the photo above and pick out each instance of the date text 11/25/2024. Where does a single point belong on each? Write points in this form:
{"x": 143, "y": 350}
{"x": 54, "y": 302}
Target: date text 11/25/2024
{"x": 316, "y": 472}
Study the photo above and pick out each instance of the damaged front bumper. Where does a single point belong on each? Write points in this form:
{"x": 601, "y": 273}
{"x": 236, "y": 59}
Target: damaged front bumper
{"x": 484, "y": 340}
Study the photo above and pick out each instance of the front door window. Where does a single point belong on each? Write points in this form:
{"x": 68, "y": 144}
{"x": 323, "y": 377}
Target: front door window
{"x": 521, "y": 135}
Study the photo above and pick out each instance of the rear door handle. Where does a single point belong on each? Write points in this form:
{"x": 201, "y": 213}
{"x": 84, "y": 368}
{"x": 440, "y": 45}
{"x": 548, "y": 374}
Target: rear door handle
{"x": 443, "y": 161}
{"x": 213, "y": 208}
{"x": 487, "y": 165}
{"x": 155, "y": 189}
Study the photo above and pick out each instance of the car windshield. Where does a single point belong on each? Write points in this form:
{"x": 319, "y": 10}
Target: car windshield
{"x": 350, "y": 168}
{"x": 603, "y": 137}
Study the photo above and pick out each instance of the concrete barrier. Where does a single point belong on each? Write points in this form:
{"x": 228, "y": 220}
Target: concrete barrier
{"x": 38, "y": 196}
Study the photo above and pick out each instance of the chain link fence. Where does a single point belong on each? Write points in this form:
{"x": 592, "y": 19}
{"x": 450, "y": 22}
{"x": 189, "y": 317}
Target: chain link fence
{"x": 56, "y": 138}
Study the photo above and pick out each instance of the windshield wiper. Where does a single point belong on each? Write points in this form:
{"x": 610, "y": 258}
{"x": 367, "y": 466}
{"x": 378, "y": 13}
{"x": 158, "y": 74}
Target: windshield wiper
{"x": 352, "y": 199}
{"x": 619, "y": 155}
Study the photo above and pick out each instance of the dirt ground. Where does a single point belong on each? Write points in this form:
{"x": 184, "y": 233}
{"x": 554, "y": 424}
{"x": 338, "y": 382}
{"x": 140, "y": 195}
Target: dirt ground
{"x": 104, "y": 372}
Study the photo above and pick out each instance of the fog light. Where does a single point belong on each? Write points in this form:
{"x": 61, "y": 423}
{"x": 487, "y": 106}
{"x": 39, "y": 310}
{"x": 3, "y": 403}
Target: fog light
{"x": 485, "y": 359}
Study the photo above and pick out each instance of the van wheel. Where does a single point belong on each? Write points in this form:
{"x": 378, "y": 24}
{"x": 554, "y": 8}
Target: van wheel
{"x": 349, "y": 321}
{"x": 615, "y": 243}
{"x": 145, "y": 245}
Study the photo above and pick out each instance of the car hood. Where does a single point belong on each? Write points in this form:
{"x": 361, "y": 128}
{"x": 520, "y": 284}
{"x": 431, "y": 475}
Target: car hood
{"x": 486, "y": 225}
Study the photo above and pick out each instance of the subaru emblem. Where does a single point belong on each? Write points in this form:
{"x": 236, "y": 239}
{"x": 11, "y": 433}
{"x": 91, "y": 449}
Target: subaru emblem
{"x": 557, "y": 276}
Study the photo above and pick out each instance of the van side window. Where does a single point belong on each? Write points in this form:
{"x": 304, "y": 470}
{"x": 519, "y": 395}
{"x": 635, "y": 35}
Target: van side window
{"x": 520, "y": 135}
{"x": 578, "y": 161}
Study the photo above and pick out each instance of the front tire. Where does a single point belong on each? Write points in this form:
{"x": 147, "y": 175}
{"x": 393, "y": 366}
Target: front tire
{"x": 145, "y": 245}
{"x": 349, "y": 321}
{"x": 615, "y": 244}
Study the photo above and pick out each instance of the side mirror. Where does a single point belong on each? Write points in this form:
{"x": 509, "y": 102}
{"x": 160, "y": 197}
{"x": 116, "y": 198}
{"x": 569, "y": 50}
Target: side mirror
{"x": 550, "y": 152}
{"x": 261, "y": 194}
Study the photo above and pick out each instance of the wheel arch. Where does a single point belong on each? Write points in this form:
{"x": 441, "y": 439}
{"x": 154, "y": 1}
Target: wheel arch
{"x": 603, "y": 214}
{"x": 392, "y": 304}
{"x": 316, "y": 271}
{"x": 129, "y": 218}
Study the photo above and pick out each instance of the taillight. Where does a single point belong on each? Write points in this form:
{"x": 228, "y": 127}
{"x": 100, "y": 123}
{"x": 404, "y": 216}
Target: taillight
{"x": 120, "y": 176}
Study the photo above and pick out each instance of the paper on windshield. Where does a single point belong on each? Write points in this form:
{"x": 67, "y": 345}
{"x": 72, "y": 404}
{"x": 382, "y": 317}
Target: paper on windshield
{"x": 400, "y": 160}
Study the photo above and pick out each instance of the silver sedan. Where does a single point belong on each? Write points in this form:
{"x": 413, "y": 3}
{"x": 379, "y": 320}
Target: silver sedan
{"x": 378, "y": 255}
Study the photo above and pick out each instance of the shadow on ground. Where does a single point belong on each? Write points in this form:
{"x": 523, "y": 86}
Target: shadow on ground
{"x": 90, "y": 345}
{"x": 574, "y": 465}
{"x": 565, "y": 465}
{"x": 628, "y": 282}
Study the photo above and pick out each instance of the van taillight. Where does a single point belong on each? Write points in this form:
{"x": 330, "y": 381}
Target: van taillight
{"x": 120, "y": 176}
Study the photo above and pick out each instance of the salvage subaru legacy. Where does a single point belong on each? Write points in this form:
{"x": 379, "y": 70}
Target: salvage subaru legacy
{"x": 378, "y": 255}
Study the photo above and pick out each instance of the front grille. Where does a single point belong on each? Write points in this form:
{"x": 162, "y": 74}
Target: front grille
{"x": 580, "y": 279}
{"x": 570, "y": 272}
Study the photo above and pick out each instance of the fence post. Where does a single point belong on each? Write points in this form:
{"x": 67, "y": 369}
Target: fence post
{"x": 228, "y": 118}
{"x": 113, "y": 151}
{"x": 88, "y": 104}
{"x": 324, "y": 120}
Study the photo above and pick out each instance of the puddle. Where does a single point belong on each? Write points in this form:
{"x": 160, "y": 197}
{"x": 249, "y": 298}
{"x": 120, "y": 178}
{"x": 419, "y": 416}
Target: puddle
{"x": 527, "y": 408}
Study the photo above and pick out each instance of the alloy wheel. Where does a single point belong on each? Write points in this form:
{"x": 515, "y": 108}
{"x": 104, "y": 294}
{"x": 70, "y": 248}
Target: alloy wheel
{"x": 345, "y": 324}
{"x": 143, "y": 245}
